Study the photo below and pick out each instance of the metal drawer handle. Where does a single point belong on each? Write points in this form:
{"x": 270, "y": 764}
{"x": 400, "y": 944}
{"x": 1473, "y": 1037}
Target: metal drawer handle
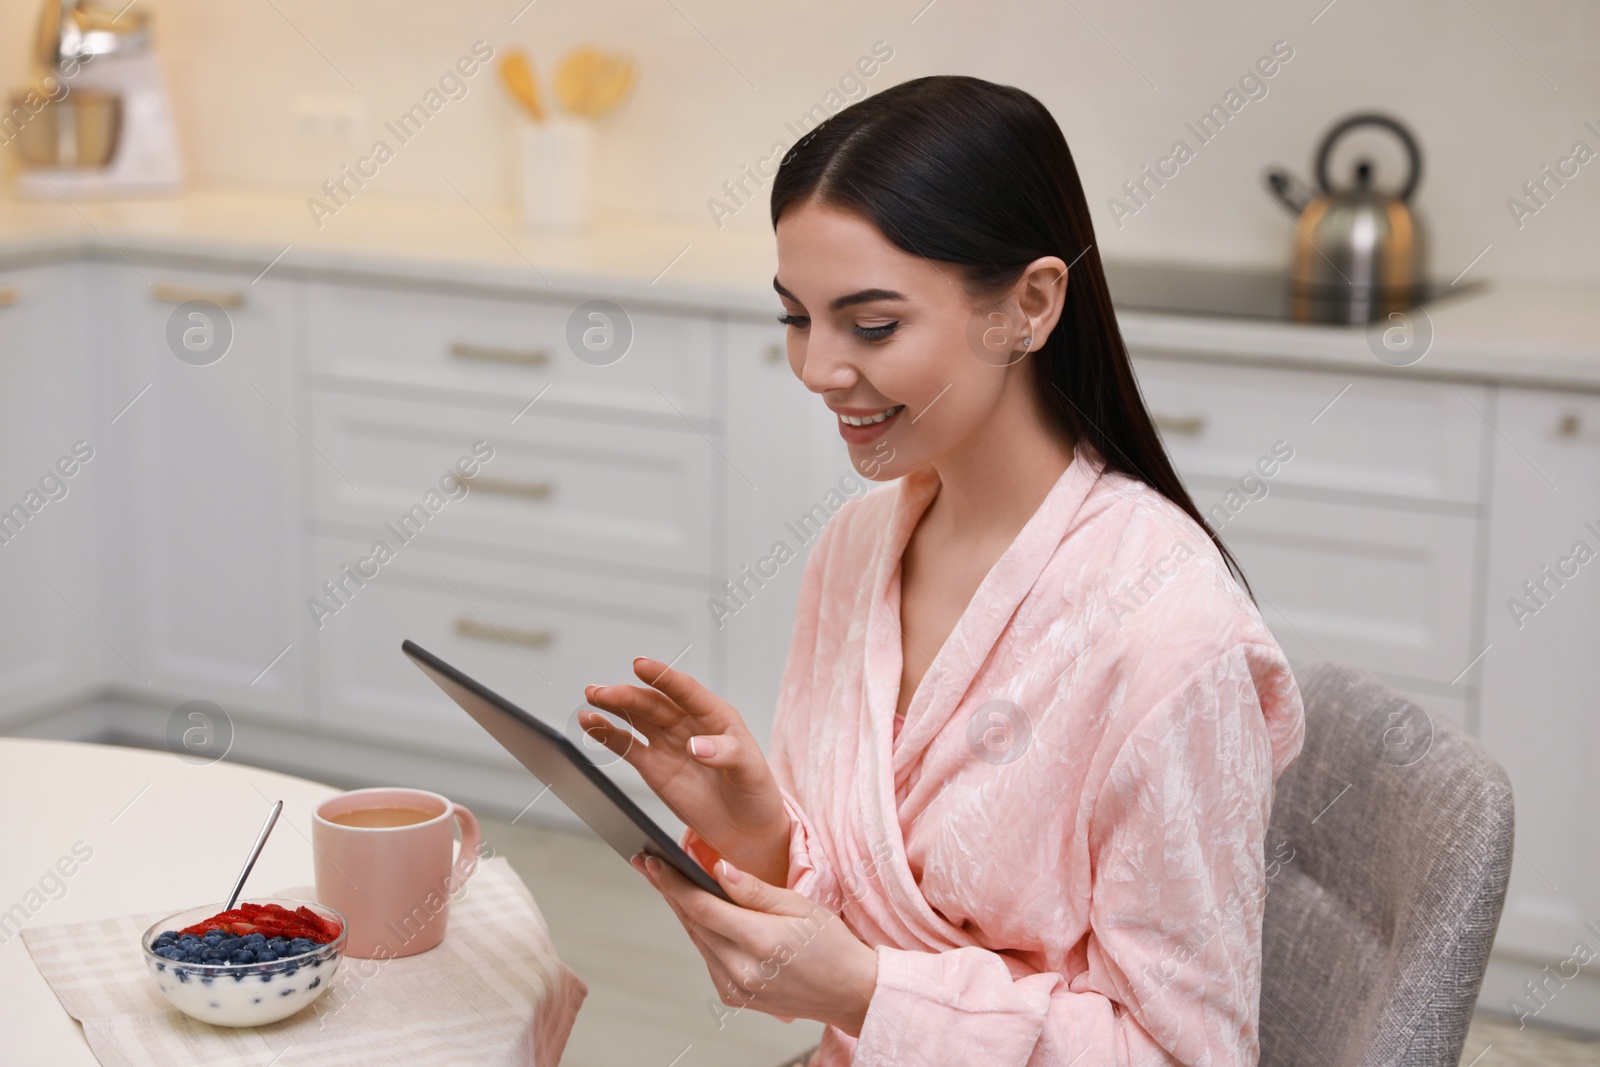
{"x": 1571, "y": 425}
{"x": 172, "y": 293}
{"x": 1184, "y": 424}
{"x": 506, "y": 487}
{"x": 485, "y": 631}
{"x": 527, "y": 357}
{"x": 8, "y": 296}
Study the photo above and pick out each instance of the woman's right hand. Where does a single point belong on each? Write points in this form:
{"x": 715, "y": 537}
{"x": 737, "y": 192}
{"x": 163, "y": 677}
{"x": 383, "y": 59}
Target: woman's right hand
{"x": 700, "y": 758}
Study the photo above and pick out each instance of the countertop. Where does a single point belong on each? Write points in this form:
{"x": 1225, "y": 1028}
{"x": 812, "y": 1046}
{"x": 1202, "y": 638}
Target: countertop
{"x": 1536, "y": 335}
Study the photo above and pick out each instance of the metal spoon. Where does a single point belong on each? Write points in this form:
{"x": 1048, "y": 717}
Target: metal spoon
{"x": 254, "y": 852}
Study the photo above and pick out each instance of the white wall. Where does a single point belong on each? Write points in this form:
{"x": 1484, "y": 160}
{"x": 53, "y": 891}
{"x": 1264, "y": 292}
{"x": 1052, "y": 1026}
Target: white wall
{"x": 1494, "y": 88}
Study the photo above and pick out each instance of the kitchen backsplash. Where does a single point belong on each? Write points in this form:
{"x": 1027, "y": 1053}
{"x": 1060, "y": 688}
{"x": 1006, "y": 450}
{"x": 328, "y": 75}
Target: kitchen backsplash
{"x": 283, "y": 93}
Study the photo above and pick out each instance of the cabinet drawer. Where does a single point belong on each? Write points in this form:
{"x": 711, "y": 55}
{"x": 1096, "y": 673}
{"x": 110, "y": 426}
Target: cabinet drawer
{"x": 508, "y": 349}
{"x": 610, "y": 493}
{"x": 1396, "y": 438}
{"x": 533, "y": 634}
{"x": 1387, "y": 590}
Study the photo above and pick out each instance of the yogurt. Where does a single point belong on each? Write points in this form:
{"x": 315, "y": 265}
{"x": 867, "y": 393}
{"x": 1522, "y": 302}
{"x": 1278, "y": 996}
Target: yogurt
{"x": 243, "y": 994}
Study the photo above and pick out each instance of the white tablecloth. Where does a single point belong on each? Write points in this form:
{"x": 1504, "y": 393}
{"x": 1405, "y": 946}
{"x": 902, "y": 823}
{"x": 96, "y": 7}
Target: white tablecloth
{"x": 159, "y": 834}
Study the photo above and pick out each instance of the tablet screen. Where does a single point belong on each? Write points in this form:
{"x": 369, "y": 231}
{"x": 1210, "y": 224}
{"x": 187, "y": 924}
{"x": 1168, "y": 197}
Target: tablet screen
{"x": 562, "y": 766}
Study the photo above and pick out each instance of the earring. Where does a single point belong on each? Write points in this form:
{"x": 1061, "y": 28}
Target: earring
{"x": 1026, "y": 341}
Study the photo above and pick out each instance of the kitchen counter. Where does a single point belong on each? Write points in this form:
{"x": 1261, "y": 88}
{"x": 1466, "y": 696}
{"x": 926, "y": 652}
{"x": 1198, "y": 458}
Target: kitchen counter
{"x": 1514, "y": 334}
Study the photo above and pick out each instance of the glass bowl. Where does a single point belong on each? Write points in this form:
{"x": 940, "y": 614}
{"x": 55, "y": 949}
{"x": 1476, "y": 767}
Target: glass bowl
{"x": 244, "y": 994}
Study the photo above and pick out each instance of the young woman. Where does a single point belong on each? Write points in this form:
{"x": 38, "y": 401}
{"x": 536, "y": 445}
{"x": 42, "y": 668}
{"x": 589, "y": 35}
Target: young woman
{"x": 1022, "y": 765}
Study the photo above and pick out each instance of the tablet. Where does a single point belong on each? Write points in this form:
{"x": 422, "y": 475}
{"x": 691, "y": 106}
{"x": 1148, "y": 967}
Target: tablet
{"x": 562, "y": 766}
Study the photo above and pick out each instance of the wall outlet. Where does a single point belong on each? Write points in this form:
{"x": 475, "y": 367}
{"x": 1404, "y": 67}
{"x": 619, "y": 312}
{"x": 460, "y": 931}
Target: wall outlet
{"x": 329, "y": 118}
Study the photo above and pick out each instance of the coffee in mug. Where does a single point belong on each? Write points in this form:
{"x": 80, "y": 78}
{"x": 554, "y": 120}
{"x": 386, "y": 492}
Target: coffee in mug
{"x": 382, "y": 818}
{"x": 384, "y": 859}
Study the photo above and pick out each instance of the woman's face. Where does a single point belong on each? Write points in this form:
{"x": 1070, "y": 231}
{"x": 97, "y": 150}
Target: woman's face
{"x": 893, "y": 345}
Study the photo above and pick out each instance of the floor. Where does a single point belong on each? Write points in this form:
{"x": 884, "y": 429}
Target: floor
{"x": 651, "y": 1004}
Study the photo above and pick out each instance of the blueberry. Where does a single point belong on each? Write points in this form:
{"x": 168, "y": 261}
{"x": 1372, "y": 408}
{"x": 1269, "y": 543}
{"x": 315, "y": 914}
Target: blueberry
{"x": 238, "y": 976}
{"x": 214, "y": 930}
{"x": 254, "y": 939}
{"x": 291, "y": 968}
{"x": 266, "y": 978}
{"x": 215, "y": 955}
{"x": 170, "y": 935}
{"x": 183, "y": 976}
{"x": 299, "y": 945}
{"x": 242, "y": 955}
{"x": 314, "y": 983}
{"x": 230, "y": 944}
{"x": 285, "y": 992}
{"x": 266, "y": 955}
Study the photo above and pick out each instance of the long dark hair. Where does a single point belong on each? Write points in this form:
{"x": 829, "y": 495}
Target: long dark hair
{"x": 967, "y": 172}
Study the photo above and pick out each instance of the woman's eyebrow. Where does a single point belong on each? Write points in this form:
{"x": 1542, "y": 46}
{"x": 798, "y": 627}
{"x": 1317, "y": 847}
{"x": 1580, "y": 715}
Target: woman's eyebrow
{"x": 864, "y": 296}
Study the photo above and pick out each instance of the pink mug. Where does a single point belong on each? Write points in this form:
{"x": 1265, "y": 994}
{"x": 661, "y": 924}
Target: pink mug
{"x": 392, "y": 882}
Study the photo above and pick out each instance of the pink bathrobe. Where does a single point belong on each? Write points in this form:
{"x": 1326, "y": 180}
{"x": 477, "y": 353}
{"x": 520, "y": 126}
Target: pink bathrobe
{"x": 1062, "y": 857}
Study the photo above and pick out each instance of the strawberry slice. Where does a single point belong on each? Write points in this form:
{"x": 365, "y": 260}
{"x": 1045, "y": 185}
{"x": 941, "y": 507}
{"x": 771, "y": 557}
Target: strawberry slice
{"x": 327, "y": 929}
{"x": 270, "y": 920}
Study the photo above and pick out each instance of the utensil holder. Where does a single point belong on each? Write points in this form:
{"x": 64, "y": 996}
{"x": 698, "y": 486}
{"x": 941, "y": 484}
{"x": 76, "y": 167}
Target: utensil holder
{"x": 556, "y": 165}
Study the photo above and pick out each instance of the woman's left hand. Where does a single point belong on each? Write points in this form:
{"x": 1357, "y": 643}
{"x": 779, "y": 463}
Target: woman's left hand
{"x": 772, "y": 949}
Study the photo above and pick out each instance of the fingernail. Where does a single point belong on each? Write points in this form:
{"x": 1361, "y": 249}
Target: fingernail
{"x": 702, "y": 747}
{"x": 729, "y": 873}
{"x": 637, "y": 863}
{"x": 652, "y": 865}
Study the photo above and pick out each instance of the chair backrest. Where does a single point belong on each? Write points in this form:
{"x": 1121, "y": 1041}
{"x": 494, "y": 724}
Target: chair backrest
{"x": 1388, "y": 855}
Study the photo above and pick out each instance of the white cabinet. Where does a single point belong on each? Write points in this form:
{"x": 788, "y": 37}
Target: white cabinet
{"x": 1352, "y": 502}
{"x": 784, "y": 454}
{"x": 635, "y": 497}
{"x": 1388, "y": 590}
{"x": 1541, "y": 675}
{"x": 508, "y": 348}
{"x": 1419, "y": 443}
{"x": 205, "y": 540}
{"x": 585, "y": 535}
{"x": 537, "y": 635}
{"x": 53, "y": 479}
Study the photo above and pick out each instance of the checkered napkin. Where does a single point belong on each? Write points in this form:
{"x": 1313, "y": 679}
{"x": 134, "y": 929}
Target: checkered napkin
{"x": 493, "y": 993}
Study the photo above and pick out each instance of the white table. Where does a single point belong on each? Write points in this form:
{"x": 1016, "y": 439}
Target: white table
{"x": 165, "y": 834}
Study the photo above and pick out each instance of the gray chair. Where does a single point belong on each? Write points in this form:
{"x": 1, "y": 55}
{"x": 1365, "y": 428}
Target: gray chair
{"x": 1388, "y": 856}
{"x": 1379, "y": 921}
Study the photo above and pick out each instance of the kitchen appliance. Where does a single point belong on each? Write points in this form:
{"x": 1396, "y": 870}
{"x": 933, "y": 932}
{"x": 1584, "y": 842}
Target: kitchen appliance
{"x": 79, "y": 130}
{"x": 1359, "y": 253}
{"x": 80, "y": 144}
{"x": 1261, "y": 294}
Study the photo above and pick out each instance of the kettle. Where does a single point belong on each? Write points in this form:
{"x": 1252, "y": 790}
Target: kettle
{"x": 1359, "y": 253}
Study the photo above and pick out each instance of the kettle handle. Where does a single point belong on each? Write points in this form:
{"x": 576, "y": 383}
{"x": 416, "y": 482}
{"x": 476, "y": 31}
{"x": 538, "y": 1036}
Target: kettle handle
{"x": 1413, "y": 153}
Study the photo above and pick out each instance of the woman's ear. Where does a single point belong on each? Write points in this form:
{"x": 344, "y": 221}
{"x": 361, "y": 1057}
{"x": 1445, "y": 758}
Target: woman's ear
{"x": 1041, "y": 294}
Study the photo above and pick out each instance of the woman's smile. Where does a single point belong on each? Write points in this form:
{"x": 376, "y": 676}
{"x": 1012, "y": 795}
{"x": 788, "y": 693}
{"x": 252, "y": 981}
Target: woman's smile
{"x": 859, "y": 426}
